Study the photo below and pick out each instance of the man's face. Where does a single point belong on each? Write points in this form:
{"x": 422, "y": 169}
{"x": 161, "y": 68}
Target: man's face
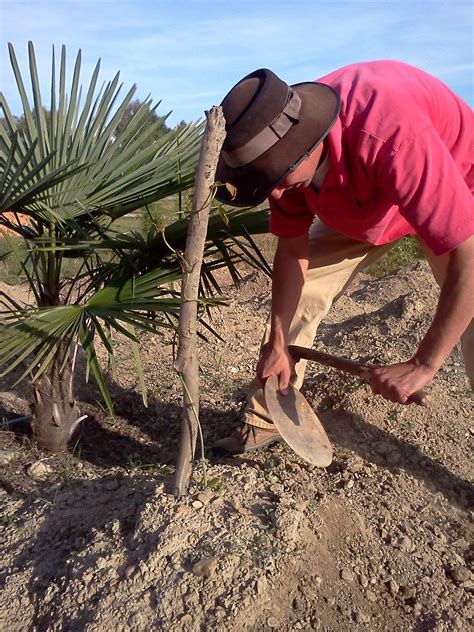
{"x": 301, "y": 176}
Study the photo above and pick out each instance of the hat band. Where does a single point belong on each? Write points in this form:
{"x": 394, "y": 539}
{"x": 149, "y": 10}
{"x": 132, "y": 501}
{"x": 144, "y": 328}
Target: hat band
{"x": 268, "y": 136}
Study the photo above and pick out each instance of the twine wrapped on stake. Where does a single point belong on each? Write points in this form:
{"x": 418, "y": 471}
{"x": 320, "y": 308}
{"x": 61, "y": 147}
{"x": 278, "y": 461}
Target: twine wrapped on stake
{"x": 187, "y": 361}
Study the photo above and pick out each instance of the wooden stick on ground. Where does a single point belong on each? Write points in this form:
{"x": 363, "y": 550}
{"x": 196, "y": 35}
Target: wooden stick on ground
{"x": 187, "y": 361}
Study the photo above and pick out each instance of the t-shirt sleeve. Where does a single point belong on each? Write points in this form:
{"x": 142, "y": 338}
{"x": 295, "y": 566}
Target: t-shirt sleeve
{"x": 290, "y": 215}
{"x": 430, "y": 191}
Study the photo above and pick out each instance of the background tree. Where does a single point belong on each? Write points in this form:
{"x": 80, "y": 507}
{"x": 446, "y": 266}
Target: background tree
{"x": 135, "y": 107}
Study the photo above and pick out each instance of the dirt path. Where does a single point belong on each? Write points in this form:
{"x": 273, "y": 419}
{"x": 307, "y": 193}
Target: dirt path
{"x": 378, "y": 541}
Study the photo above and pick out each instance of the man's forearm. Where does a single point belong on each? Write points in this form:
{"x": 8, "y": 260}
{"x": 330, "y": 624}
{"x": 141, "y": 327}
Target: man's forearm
{"x": 454, "y": 311}
{"x": 289, "y": 271}
{"x": 397, "y": 382}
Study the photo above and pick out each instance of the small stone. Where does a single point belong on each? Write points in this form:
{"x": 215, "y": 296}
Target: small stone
{"x": 371, "y": 596}
{"x": 437, "y": 545}
{"x": 130, "y": 570}
{"x": 402, "y": 484}
{"x": 272, "y": 622}
{"x": 182, "y": 510}
{"x": 7, "y": 456}
{"x": 408, "y": 592}
{"x": 355, "y": 465}
{"x": 197, "y": 504}
{"x": 205, "y": 497}
{"x": 459, "y": 574}
{"x": 361, "y": 617}
{"x": 205, "y": 567}
{"x": 261, "y": 585}
{"x": 417, "y": 607}
{"x": 393, "y": 587}
{"x": 101, "y": 563}
{"x": 39, "y": 469}
{"x": 347, "y": 575}
{"x": 407, "y": 545}
{"x": 363, "y": 580}
{"x": 318, "y": 581}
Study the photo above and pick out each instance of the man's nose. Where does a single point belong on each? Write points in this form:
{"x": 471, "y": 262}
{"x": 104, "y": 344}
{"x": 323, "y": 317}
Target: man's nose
{"x": 277, "y": 193}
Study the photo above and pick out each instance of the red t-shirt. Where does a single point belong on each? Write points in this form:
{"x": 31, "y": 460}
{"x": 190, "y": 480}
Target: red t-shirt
{"x": 401, "y": 160}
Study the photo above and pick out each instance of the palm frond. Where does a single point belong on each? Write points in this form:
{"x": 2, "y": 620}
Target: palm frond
{"x": 78, "y": 162}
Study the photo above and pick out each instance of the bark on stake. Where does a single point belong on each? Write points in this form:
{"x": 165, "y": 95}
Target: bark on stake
{"x": 187, "y": 361}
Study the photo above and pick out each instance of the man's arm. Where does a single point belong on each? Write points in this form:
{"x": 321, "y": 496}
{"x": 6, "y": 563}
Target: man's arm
{"x": 453, "y": 314}
{"x": 289, "y": 270}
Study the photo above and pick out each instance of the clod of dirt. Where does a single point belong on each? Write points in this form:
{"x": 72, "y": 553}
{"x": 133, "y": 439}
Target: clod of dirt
{"x": 459, "y": 574}
{"x": 39, "y": 470}
{"x": 205, "y": 567}
{"x": 7, "y": 456}
{"x": 347, "y": 575}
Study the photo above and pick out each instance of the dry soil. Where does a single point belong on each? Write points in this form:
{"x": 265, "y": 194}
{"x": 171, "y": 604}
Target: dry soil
{"x": 378, "y": 541}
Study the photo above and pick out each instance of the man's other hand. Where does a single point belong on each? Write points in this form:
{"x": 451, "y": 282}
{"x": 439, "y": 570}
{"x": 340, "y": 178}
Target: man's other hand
{"x": 397, "y": 382}
{"x": 275, "y": 361}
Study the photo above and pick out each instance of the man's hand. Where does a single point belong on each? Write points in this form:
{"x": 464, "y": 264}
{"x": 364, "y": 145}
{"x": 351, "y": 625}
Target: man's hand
{"x": 453, "y": 315}
{"x": 289, "y": 269}
{"x": 275, "y": 361}
{"x": 397, "y": 382}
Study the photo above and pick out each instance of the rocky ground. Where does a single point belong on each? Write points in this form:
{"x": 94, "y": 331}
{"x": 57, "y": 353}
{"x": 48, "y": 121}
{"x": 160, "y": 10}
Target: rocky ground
{"x": 380, "y": 540}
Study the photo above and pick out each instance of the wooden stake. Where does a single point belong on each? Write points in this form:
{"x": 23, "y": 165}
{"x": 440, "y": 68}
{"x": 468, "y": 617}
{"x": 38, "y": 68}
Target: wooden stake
{"x": 187, "y": 362}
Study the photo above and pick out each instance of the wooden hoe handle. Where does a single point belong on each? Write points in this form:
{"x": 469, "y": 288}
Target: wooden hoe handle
{"x": 359, "y": 369}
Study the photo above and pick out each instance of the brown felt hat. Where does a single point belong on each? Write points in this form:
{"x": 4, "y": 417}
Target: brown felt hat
{"x": 271, "y": 127}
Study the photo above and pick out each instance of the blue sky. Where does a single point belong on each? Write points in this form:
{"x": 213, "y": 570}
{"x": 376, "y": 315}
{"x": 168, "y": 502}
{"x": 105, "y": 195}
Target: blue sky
{"x": 189, "y": 53}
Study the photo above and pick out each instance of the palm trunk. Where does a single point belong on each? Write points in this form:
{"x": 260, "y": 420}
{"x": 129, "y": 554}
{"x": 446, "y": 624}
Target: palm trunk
{"x": 56, "y": 416}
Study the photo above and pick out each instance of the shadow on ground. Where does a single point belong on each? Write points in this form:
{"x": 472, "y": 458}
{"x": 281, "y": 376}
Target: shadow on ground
{"x": 352, "y": 431}
{"x": 76, "y": 517}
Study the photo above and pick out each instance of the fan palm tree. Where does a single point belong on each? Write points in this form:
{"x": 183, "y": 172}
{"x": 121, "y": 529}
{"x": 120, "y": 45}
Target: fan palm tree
{"x": 73, "y": 174}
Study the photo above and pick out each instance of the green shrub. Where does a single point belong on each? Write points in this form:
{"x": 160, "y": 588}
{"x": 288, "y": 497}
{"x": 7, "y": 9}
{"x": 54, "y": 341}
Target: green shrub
{"x": 402, "y": 254}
